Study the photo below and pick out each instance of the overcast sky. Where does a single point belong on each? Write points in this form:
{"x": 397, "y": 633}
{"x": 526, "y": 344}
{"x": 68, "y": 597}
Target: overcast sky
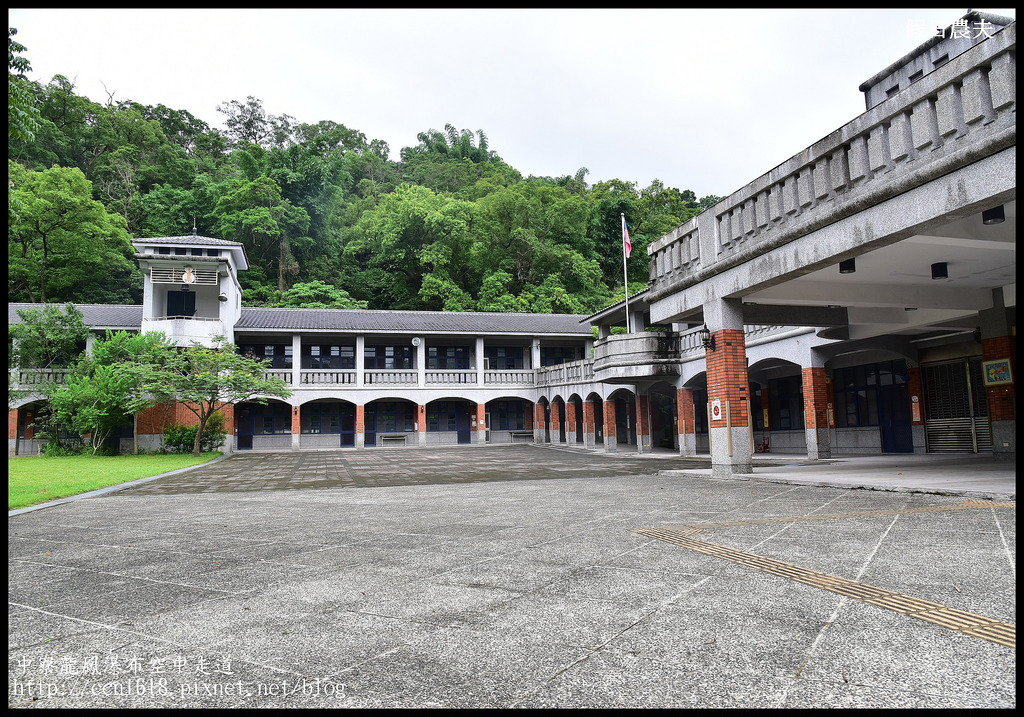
{"x": 701, "y": 99}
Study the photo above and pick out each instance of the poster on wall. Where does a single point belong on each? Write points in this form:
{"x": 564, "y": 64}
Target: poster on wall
{"x": 996, "y": 372}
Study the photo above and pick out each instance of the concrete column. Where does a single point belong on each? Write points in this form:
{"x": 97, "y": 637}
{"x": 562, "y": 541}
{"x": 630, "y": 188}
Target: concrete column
{"x": 687, "y": 428}
{"x": 479, "y": 360}
{"x": 731, "y": 446}
{"x": 916, "y": 389}
{"x": 535, "y": 353}
{"x": 90, "y": 340}
{"x": 610, "y": 442}
{"x": 296, "y": 427}
{"x": 420, "y": 421}
{"x": 556, "y": 423}
{"x": 12, "y": 432}
{"x": 816, "y": 400}
{"x": 360, "y": 360}
{"x": 603, "y": 331}
{"x": 479, "y": 434}
{"x": 421, "y": 364}
{"x": 296, "y": 361}
{"x": 999, "y": 344}
{"x": 643, "y": 422}
{"x": 360, "y": 427}
{"x": 589, "y": 432}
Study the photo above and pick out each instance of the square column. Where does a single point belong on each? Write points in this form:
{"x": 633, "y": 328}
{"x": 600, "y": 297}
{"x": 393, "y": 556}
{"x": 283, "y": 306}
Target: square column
{"x": 296, "y": 361}
{"x": 643, "y": 422}
{"x": 999, "y": 343}
{"x": 419, "y": 426}
{"x": 538, "y": 423}
{"x": 731, "y": 446}
{"x": 296, "y": 427}
{"x": 570, "y": 422}
{"x": 610, "y": 442}
{"x": 687, "y": 427}
{"x": 479, "y": 432}
{"x": 589, "y": 431}
{"x": 479, "y": 360}
{"x": 360, "y": 427}
{"x": 816, "y": 404}
{"x": 556, "y": 424}
{"x": 360, "y": 361}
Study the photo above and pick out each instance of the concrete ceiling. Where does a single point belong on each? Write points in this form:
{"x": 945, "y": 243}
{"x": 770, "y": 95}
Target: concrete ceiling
{"x": 892, "y": 290}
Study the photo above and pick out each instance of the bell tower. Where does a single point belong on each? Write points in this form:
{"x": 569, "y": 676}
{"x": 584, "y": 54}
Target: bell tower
{"x": 191, "y": 291}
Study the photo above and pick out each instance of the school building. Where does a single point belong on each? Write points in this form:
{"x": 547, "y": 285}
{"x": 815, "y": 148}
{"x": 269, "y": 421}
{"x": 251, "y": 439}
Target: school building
{"x": 858, "y": 298}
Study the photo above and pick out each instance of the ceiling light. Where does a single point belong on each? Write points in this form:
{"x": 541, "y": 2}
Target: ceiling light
{"x": 940, "y": 270}
{"x": 848, "y": 267}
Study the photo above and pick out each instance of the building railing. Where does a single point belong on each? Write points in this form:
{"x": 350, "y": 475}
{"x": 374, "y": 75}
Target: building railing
{"x": 510, "y": 377}
{"x": 571, "y": 372}
{"x": 391, "y": 377}
{"x": 450, "y": 376}
{"x": 327, "y": 376}
{"x": 951, "y": 117}
{"x": 27, "y": 378}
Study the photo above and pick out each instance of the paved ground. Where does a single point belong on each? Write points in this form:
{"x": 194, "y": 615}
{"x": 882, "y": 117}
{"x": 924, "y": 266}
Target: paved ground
{"x": 521, "y": 577}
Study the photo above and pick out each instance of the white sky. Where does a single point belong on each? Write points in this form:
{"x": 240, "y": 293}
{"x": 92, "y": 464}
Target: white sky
{"x": 701, "y": 99}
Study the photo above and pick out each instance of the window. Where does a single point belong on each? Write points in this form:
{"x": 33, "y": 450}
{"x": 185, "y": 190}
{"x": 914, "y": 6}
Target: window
{"x": 331, "y": 357}
{"x": 181, "y": 303}
{"x": 857, "y": 387}
{"x": 448, "y": 357}
{"x": 503, "y": 358}
{"x": 555, "y": 355}
{"x": 278, "y": 356}
{"x": 329, "y": 417}
{"x": 507, "y": 415}
{"x": 786, "y": 403}
{"x": 388, "y": 357}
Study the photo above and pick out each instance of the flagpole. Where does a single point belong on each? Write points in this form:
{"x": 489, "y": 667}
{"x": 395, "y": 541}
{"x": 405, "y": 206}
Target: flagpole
{"x": 625, "y": 275}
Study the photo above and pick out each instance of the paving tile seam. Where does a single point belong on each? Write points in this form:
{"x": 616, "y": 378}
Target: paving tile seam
{"x": 935, "y": 613}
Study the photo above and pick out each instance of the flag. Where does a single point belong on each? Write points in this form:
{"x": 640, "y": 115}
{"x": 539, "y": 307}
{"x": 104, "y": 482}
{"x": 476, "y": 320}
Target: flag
{"x": 625, "y": 237}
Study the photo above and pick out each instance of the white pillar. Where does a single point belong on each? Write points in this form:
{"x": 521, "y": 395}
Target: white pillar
{"x": 479, "y": 360}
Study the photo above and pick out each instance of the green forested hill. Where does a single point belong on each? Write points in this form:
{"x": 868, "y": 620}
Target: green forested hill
{"x": 327, "y": 219}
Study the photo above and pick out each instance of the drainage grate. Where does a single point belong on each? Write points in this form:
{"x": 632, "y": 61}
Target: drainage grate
{"x": 963, "y": 622}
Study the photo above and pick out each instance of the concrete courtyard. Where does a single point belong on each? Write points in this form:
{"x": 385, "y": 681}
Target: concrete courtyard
{"x": 518, "y": 576}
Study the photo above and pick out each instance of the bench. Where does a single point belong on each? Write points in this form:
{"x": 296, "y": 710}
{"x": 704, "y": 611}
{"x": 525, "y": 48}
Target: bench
{"x": 399, "y": 439}
{"x": 524, "y": 436}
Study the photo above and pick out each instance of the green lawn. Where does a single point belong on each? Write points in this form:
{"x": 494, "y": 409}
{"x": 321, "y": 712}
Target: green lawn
{"x": 37, "y": 479}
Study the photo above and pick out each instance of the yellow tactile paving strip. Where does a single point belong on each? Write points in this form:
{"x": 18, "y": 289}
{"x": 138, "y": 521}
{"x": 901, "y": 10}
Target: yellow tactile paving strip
{"x": 958, "y": 620}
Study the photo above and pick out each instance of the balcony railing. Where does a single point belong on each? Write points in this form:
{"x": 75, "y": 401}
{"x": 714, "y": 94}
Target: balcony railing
{"x": 960, "y": 112}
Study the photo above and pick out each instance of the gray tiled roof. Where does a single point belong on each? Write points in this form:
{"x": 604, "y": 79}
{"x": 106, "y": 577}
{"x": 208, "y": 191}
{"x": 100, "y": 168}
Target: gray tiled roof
{"x": 429, "y": 322}
{"x": 112, "y": 316}
{"x": 187, "y": 239}
{"x": 349, "y": 320}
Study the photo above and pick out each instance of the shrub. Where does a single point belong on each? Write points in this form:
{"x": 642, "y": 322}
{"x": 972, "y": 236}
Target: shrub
{"x": 179, "y": 438}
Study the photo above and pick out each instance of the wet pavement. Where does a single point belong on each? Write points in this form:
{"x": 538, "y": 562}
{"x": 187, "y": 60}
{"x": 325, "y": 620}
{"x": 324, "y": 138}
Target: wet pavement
{"x": 520, "y": 577}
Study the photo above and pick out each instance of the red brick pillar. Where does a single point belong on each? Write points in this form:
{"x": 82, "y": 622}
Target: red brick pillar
{"x": 816, "y": 401}
{"x": 420, "y": 426}
{"x": 589, "y": 429}
{"x": 1001, "y": 396}
{"x": 555, "y": 423}
{"x": 915, "y": 388}
{"x": 687, "y": 428}
{"x": 296, "y": 427}
{"x": 12, "y": 423}
{"x": 610, "y": 441}
{"x": 528, "y": 418}
{"x": 539, "y": 423}
{"x": 360, "y": 427}
{"x": 643, "y": 422}
{"x": 570, "y": 421}
{"x": 728, "y": 387}
{"x": 481, "y": 424}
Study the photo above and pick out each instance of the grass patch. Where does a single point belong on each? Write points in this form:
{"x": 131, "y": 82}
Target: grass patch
{"x": 37, "y": 479}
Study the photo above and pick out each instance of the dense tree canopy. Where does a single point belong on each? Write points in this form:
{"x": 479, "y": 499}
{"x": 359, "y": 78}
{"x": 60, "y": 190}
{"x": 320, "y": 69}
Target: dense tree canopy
{"x": 326, "y": 218}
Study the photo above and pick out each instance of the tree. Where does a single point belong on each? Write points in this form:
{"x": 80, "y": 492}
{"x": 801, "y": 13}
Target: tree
{"x": 63, "y": 245}
{"x": 205, "y": 379}
{"x": 46, "y": 338}
{"x": 22, "y": 112}
{"x": 319, "y": 295}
